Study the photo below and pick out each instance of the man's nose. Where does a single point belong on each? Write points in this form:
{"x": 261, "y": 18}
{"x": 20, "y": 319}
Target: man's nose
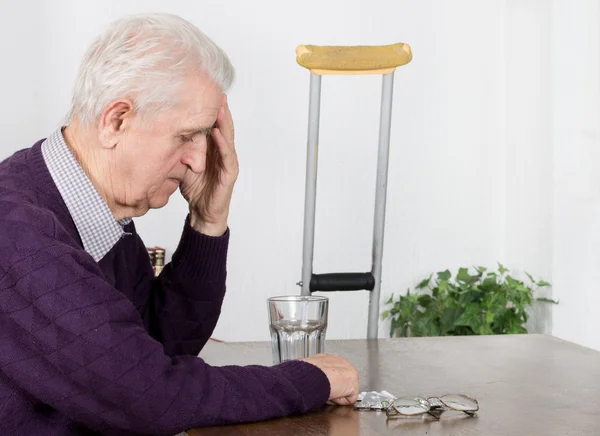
{"x": 194, "y": 157}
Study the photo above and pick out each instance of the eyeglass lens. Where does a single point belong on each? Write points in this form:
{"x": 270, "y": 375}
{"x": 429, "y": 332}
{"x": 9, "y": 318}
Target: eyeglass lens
{"x": 460, "y": 402}
{"x": 411, "y": 405}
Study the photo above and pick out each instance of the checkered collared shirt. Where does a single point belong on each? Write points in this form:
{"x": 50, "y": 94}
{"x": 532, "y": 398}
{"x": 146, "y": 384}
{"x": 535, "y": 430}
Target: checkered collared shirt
{"x": 98, "y": 229}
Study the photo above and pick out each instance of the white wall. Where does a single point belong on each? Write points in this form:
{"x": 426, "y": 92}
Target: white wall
{"x": 529, "y": 158}
{"x": 576, "y": 134}
{"x": 20, "y": 48}
{"x": 470, "y": 173}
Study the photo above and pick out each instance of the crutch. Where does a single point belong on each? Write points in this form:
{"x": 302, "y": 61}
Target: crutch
{"x": 329, "y": 60}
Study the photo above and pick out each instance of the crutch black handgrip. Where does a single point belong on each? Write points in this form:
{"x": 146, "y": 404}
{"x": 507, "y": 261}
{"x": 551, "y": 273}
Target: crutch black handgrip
{"x": 342, "y": 282}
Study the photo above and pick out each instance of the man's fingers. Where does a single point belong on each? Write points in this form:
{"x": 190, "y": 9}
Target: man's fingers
{"x": 352, "y": 399}
{"x": 226, "y": 149}
{"x": 346, "y": 401}
{"x": 225, "y": 122}
{"x": 342, "y": 402}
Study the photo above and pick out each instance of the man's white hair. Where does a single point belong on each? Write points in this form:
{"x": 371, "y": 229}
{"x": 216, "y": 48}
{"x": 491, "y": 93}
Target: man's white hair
{"x": 145, "y": 58}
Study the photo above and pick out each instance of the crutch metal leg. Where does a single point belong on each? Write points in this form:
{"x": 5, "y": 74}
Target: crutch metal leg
{"x": 310, "y": 193}
{"x": 322, "y": 60}
{"x": 385, "y": 121}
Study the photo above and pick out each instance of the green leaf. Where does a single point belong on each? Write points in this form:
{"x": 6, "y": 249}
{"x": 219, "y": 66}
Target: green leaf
{"x": 480, "y": 269}
{"x": 453, "y": 303}
{"x": 470, "y": 297}
{"x": 515, "y": 330}
{"x": 385, "y": 314}
{"x": 444, "y": 275}
{"x": 542, "y": 283}
{"x": 448, "y": 319}
{"x": 485, "y": 329}
{"x": 424, "y": 283}
{"x": 530, "y": 277}
{"x": 462, "y": 331}
{"x": 501, "y": 269}
{"x": 494, "y": 302}
{"x": 546, "y": 300}
{"x": 512, "y": 282}
{"x": 489, "y": 317}
{"x": 425, "y": 300}
{"x": 391, "y": 300}
{"x": 471, "y": 318}
{"x": 489, "y": 283}
{"x": 393, "y": 328}
{"x": 432, "y": 329}
{"x": 463, "y": 276}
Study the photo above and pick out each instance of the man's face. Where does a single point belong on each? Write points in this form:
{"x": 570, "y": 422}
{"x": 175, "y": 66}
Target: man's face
{"x": 154, "y": 156}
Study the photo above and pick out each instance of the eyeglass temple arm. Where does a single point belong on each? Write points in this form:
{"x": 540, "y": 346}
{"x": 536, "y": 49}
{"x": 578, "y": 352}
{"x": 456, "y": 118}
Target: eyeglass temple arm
{"x": 435, "y": 415}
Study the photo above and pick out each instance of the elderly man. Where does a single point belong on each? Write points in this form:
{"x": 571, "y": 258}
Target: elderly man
{"x": 91, "y": 342}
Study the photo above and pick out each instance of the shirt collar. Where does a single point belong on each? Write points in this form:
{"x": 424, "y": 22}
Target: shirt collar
{"x": 98, "y": 229}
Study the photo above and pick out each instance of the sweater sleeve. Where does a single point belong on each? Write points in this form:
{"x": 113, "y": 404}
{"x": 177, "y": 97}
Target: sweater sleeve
{"x": 72, "y": 341}
{"x": 186, "y": 298}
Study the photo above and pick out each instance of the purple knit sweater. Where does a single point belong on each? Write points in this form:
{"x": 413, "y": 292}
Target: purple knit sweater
{"x": 105, "y": 347}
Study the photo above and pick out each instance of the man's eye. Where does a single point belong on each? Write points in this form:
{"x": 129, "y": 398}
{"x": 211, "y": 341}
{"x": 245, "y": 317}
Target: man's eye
{"x": 197, "y": 138}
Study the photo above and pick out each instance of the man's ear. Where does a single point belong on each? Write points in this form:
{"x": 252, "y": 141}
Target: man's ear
{"x": 115, "y": 120}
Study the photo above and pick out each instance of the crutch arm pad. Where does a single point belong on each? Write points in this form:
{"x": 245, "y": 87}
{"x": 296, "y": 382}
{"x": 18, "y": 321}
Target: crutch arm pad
{"x": 374, "y": 59}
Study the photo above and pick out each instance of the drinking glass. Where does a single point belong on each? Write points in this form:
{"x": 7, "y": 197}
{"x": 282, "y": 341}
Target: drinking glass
{"x": 298, "y": 325}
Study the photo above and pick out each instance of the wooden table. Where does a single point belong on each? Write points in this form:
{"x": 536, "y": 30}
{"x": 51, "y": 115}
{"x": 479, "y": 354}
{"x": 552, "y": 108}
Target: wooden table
{"x": 527, "y": 385}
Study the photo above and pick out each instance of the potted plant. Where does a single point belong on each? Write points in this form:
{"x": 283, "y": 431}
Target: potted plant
{"x": 481, "y": 304}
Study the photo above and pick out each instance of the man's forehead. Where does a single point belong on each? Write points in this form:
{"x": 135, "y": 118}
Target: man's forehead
{"x": 200, "y": 87}
{"x": 201, "y": 118}
{"x": 198, "y": 104}
{"x": 200, "y": 107}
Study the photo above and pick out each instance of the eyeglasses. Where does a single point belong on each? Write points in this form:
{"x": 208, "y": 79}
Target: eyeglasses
{"x": 434, "y": 406}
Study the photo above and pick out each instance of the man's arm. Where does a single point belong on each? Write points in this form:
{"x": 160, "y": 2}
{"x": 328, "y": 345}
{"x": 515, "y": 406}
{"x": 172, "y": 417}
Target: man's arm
{"x": 72, "y": 341}
{"x": 185, "y": 300}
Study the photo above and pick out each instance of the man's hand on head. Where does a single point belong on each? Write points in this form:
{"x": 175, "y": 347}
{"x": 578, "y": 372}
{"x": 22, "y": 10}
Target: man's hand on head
{"x": 209, "y": 193}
